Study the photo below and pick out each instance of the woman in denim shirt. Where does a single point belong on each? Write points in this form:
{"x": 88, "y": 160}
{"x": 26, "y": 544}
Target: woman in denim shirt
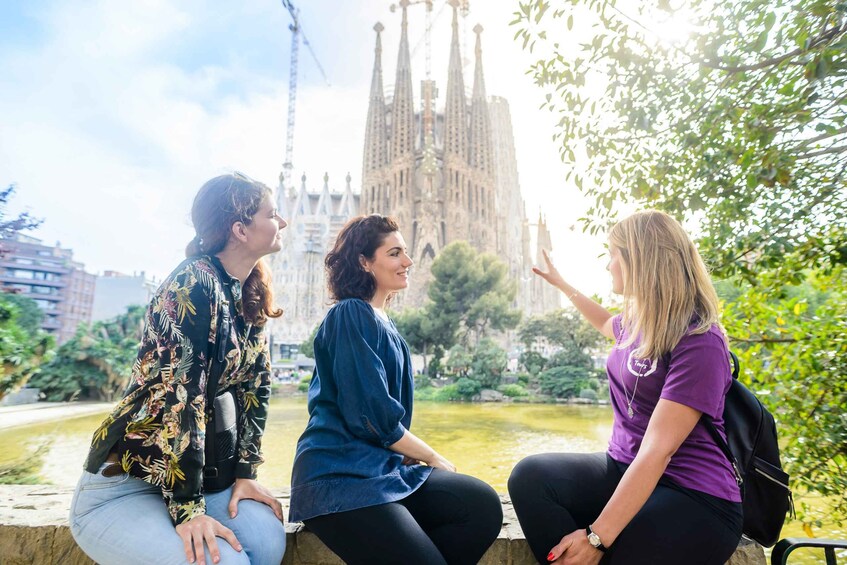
{"x": 370, "y": 489}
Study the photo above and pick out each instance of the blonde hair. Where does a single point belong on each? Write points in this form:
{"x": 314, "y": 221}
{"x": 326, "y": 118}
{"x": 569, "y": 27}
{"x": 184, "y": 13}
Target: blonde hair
{"x": 666, "y": 284}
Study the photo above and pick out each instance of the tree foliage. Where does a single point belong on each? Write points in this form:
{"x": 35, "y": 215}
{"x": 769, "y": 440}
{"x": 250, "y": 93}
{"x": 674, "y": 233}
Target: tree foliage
{"x": 568, "y": 369}
{"x": 738, "y": 128}
{"x": 470, "y": 295}
{"x": 307, "y": 348}
{"x": 29, "y": 315}
{"x": 488, "y": 364}
{"x": 459, "y": 361}
{"x": 23, "y": 345}
{"x": 741, "y": 123}
{"x": 560, "y": 328}
{"x": 9, "y": 226}
{"x": 97, "y": 362}
{"x": 564, "y": 381}
{"x": 792, "y": 343}
{"x": 417, "y": 328}
{"x": 532, "y": 361}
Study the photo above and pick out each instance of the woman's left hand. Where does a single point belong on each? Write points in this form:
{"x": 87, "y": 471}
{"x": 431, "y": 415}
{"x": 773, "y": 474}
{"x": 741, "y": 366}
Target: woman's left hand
{"x": 410, "y": 461}
{"x": 248, "y": 488}
{"x": 574, "y": 549}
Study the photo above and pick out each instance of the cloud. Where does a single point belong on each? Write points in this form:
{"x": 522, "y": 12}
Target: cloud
{"x": 112, "y": 121}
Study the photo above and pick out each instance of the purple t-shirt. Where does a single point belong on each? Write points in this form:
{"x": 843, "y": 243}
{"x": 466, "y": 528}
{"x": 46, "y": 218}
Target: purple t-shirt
{"x": 697, "y": 374}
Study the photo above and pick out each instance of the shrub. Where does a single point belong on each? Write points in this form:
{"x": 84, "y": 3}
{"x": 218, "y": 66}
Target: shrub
{"x": 564, "y": 382}
{"x": 449, "y": 392}
{"x": 588, "y": 394}
{"x": 513, "y": 390}
{"x": 303, "y": 385}
{"x": 489, "y": 363}
{"x": 467, "y": 387}
{"x": 423, "y": 381}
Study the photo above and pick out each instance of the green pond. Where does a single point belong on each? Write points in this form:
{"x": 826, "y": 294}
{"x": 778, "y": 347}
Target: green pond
{"x": 484, "y": 440}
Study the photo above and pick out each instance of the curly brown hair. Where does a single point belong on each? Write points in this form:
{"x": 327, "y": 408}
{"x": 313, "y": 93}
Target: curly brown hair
{"x": 360, "y": 237}
{"x": 220, "y": 203}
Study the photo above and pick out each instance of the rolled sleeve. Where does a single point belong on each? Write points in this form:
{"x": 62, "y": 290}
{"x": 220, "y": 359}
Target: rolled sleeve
{"x": 364, "y": 400}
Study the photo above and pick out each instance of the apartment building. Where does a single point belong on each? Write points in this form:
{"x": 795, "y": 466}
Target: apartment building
{"x": 49, "y": 275}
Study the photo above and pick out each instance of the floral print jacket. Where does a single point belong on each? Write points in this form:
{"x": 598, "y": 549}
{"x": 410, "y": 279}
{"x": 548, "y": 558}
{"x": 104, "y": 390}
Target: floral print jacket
{"x": 158, "y": 429}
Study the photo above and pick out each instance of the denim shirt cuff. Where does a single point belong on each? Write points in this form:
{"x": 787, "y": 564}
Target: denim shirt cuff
{"x": 394, "y": 437}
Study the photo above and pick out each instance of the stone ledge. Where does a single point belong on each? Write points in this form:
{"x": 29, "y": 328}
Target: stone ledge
{"x": 34, "y": 529}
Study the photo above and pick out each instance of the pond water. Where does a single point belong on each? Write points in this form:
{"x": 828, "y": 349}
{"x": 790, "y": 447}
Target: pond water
{"x": 484, "y": 440}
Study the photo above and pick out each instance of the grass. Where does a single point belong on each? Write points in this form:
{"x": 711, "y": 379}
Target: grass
{"x": 26, "y": 470}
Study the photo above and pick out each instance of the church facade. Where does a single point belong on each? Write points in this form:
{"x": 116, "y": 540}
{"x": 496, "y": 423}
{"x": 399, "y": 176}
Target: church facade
{"x": 445, "y": 175}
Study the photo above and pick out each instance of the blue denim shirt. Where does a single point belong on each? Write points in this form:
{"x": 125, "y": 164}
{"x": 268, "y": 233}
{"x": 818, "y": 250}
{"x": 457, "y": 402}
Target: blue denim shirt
{"x": 360, "y": 402}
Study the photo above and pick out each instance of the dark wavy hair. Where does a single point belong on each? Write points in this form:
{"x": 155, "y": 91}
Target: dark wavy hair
{"x": 219, "y": 204}
{"x": 361, "y": 236}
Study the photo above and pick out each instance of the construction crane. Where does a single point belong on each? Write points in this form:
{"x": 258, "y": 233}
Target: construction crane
{"x": 296, "y": 33}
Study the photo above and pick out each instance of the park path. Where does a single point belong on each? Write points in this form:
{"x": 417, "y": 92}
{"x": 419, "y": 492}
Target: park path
{"x": 26, "y": 414}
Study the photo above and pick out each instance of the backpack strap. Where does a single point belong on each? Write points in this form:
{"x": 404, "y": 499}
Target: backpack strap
{"x": 713, "y": 431}
{"x": 216, "y": 367}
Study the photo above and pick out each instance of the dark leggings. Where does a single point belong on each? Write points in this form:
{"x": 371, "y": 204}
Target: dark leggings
{"x": 557, "y": 493}
{"x": 451, "y": 518}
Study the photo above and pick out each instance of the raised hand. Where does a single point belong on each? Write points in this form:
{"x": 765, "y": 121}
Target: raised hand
{"x": 551, "y": 275}
{"x": 204, "y": 528}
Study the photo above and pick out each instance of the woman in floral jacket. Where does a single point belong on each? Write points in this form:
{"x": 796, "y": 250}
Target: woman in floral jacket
{"x": 141, "y": 497}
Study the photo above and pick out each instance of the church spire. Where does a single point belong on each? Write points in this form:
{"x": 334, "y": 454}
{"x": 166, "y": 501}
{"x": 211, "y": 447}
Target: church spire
{"x": 375, "y": 134}
{"x": 480, "y": 135}
{"x": 455, "y": 127}
{"x": 403, "y": 112}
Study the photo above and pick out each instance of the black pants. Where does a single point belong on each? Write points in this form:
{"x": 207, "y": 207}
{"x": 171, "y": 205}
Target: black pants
{"x": 557, "y": 493}
{"x": 451, "y": 518}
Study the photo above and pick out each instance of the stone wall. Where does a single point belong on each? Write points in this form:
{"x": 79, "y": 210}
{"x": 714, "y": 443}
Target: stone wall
{"x": 34, "y": 530}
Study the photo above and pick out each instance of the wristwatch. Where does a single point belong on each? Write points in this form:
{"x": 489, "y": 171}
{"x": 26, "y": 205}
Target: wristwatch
{"x": 594, "y": 540}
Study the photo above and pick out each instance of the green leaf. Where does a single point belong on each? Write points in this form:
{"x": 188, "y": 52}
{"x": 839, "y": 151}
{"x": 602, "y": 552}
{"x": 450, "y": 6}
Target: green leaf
{"x": 770, "y": 19}
{"x": 822, "y": 68}
{"x": 761, "y": 41}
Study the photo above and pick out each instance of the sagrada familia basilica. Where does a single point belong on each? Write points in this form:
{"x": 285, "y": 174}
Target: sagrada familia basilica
{"x": 446, "y": 174}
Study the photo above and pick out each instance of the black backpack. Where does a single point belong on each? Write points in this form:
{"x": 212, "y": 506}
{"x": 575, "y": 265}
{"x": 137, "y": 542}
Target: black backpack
{"x": 753, "y": 451}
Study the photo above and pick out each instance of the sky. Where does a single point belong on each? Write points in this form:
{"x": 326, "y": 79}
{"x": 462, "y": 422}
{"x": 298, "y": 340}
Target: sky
{"x": 113, "y": 114}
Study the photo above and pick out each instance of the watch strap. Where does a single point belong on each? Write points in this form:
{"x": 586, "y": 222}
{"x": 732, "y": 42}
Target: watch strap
{"x": 590, "y": 533}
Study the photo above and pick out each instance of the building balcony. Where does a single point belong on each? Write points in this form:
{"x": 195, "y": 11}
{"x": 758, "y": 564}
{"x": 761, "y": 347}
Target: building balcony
{"x": 45, "y": 267}
{"x": 51, "y": 323}
{"x": 6, "y": 278}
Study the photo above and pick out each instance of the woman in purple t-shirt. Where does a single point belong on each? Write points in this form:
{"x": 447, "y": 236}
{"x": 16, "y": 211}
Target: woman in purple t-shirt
{"x": 663, "y": 493}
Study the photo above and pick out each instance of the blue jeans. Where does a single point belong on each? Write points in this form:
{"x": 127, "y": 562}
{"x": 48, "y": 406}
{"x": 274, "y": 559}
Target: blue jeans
{"x": 124, "y": 520}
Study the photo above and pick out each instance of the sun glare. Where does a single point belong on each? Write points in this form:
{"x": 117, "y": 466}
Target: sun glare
{"x": 670, "y": 28}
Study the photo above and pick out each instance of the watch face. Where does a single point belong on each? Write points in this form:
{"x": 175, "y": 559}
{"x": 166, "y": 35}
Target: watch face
{"x": 594, "y": 539}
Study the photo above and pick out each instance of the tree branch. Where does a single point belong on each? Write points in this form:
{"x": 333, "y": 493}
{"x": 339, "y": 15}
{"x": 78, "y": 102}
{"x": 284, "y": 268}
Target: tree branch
{"x": 823, "y": 38}
{"x": 821, "y": 137}
{"x": 828, "y": 151}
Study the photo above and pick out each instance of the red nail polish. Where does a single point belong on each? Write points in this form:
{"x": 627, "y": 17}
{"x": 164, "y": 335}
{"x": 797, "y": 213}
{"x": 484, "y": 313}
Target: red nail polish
{"x": 550, "y": 556}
